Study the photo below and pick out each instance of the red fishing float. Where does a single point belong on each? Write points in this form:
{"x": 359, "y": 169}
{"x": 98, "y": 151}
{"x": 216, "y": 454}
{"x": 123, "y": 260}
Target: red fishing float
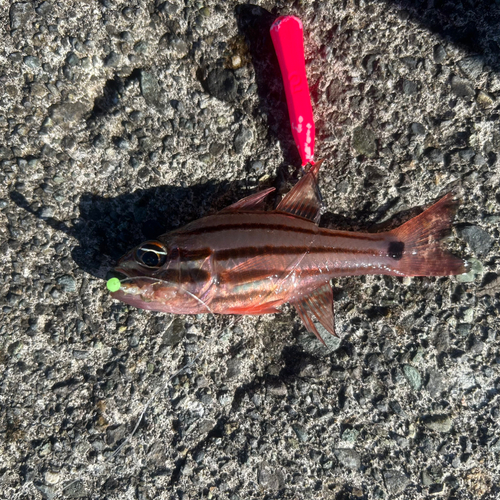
{"x": 287, "y": 36}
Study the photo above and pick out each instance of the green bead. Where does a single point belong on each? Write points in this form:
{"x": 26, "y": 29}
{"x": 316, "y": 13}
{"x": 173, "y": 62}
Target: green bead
{"x": 113, "y": 284}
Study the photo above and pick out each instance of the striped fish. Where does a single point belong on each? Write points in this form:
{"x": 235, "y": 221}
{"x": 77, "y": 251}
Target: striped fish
{"x": 244, "y": 260}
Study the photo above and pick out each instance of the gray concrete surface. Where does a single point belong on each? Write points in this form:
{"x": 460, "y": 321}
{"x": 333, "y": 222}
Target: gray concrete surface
{"x": 120, "y": 120}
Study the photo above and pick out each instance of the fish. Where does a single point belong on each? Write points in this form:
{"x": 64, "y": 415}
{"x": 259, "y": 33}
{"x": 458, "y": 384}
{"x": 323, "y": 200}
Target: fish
{"x": 245, "y": 260}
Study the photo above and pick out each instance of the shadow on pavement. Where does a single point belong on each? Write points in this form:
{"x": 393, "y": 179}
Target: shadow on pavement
{"x": 471, "y": 25}
{"x": 109, "y": 227}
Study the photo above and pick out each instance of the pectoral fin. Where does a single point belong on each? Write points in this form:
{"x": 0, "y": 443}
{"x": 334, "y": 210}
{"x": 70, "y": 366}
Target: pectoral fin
{"x": 267, "y": 308}
{"x": 318, "y": 304}
{"x": 255, "y": 268}
{"x": 304, "y": 200}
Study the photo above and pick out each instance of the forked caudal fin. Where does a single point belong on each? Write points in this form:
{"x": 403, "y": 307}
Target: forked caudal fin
{"x": 418, "y": 246}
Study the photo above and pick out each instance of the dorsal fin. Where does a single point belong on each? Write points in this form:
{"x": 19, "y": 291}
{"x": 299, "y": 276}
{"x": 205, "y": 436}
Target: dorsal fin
{"x": 252, "y": 202}
{"x": 304, "y": 200}
{"x": 318, "y": 304}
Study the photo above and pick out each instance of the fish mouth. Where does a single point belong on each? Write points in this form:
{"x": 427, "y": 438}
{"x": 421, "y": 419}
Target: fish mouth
{"x": 121, "y": 283}
{"x": 135, "y": 289}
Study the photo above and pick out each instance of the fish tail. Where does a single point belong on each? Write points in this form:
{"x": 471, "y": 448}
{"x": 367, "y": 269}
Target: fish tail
{"x": 418, "y": 243}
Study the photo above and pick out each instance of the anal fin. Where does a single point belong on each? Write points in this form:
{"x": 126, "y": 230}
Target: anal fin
{"x": 318, "y": 304}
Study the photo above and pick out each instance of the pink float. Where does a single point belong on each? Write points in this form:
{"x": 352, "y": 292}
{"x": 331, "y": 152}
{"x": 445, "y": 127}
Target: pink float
{"x": 288, "y": 40}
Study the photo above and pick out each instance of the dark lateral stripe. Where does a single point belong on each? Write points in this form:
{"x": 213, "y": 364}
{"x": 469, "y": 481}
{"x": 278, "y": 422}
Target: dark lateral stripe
{"x": 248, "y": 252}
{"x": 283, "y": 227}
{"x": 184, "y": 254}
{"x": 193, "y": 276}
{"x": 194, "y": 254}
{"x": 235, "y": 278}
{"x": 250, "y": 296}
{"x": 240, "y": 277}
{"x": 247, "y": 297}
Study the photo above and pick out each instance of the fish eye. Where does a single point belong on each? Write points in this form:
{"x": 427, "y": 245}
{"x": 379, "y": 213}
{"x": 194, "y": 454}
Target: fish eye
{"x": 151, "y": 254}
